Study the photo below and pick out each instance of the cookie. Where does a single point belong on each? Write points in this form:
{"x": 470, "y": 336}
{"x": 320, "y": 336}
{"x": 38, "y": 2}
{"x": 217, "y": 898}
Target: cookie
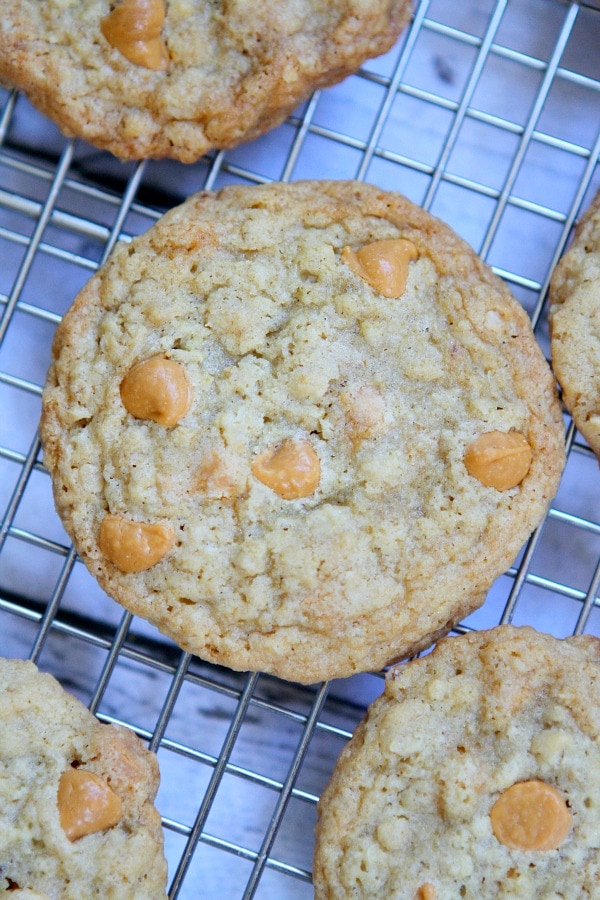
{"x": 575, "y": 325}
{"x": 149, "y": 78}
{"x": 300, "y": 427}
{"x": 475, "y": 774}
{"x": 76, "y": 816}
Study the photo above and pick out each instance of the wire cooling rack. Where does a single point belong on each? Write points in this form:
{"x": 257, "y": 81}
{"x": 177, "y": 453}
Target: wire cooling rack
{"x": 487, "y": 114}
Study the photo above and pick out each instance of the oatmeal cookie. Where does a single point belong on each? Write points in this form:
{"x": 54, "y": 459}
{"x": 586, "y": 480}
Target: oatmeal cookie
{"x": 175, "y": 78}
{"x": 77, "y": 816}
{"x": 300, "y": 427}
{"x": 575, "y": 325}
{"x": 476, "y": 774}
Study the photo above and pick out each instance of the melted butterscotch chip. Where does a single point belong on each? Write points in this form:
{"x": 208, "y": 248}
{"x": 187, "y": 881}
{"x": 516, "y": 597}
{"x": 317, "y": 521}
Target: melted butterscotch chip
{"x": 157, "y": 389}
{"x": 531, "y": 815}
{"x": 134, "y": 546}
{"x": 427, "y": 891}
{"x": 134, "y": 29}
{"x": 86, "y": 804}
{"x": 214, "y": 480}
{"x": 365, "y": 410}
{"x": 499, "y": 459}
{"x": 383, "y": 264}
{"x": 291, "y": 469}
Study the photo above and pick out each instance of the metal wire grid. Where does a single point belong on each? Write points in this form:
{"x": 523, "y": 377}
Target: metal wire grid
{"x": 442, "y": 118}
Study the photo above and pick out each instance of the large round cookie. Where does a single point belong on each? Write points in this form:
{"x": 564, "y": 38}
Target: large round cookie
{"x": 76, "y": 798}
{"x": 316, "y": 500}
{"x": 175, "y": 78}
{"x": 476, "y": 774}
{"x": 575, "y": 325}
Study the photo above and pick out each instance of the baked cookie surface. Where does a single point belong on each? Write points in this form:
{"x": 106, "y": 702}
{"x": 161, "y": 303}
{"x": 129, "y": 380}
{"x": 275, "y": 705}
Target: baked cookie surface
{"x": 476, "y": 774}
{"x": 575, "y": 325}
{"x": 278, "y": 465}
{"x": 77, "y": 816}
{"x": 148, "y": 78}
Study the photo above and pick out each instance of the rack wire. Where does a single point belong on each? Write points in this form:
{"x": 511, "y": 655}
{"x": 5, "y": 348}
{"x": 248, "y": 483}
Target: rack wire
{"x": 487, "y": 114}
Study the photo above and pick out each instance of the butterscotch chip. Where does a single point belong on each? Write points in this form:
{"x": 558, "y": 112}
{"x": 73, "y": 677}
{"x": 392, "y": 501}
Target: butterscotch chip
{"x": 531, "y": 815}
{"x": 134, "y": 27}
{"x": 384, "y": 264}
{"x": 77, "y": 815}
{"x": 426, "y": 892}
{"x": 86, "y": 804}
{"x": 134, "y": 546}
{"x": 475, "y": 774}
{"x": 291, "y": 469}
{"x": 575, "y": 325}
{"x": 157, "y": 389}
{"x": 322, "y": 516}
{"x": 149, "y": 78}
{"x": 499, "y": 459}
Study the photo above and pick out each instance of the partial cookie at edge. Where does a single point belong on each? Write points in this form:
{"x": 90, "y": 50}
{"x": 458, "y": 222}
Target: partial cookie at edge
{"x": 413, "y": 809}
{"x": 575, "y": 325}
{"x": 47, "y": 735}
{"x": 234, "y": 70}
